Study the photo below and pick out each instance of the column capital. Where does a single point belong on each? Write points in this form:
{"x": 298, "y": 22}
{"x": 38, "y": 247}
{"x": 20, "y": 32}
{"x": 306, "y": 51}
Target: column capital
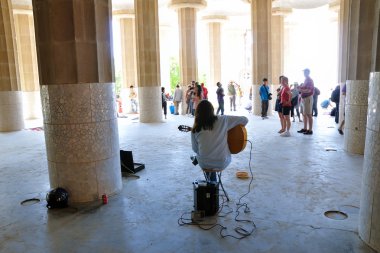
{"x": 22, "y": 9}
{"x": 214, "y": 18}
{"x": 127, "y": 13}
{"x": 281, "y": 11}
{"x": 196, "y": 4}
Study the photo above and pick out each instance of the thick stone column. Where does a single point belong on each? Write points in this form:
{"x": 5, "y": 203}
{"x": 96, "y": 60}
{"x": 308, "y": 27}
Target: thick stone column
{"x": 214, "y": 24}
{"x": 27, "y": 59}
{"x": 187, "y": 23}
{"x": 165, "y": 40}
{"x": 148, "y": 61}
{"x": 11, "y": 114}
{"x": 74, "y": 49}
{"x": 261, "y": 12}
{"x": 128, "y": 56}
{"x": 360, "y": 15}
{"x": 369, "y": 217}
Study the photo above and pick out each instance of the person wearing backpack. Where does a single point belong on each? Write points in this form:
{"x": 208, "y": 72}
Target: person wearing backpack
{"x": 335, "y": 95}
{"x": 315, "y": 101}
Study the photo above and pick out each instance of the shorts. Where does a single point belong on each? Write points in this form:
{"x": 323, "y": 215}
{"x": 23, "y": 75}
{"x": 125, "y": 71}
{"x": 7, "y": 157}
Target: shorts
{"x": 307, "y": 105}
{"x": 286, "y": 110}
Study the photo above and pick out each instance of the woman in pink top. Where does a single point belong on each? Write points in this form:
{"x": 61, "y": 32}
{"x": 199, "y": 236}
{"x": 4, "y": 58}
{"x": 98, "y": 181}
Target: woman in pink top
{"x": 286, "y": 102}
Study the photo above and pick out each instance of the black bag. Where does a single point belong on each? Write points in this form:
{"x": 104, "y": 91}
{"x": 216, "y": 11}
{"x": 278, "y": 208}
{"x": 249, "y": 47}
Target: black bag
{"x": 333, "y": 112}
{"x": 335, "y": 96}
{"x": 57, "y": 198}
{"x": 270, "y": 96}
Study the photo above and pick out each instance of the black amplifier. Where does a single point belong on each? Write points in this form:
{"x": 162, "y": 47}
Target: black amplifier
{"x": 206, "y": 197}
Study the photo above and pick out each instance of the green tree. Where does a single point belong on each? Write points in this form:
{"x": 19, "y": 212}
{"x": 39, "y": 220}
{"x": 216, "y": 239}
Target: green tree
{"x": 118, "y": 82}
{"x": 174, "y": 73}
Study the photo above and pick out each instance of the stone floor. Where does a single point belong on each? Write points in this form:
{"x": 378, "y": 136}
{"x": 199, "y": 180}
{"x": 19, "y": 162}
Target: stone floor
{"x": 295, "y": 181}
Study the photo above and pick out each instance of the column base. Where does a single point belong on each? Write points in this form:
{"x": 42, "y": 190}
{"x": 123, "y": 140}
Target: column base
{"x": 356, "y": 116}
{"x": 11, "y": 114}
{"x": 151, "y": 105}
{"x": 82, "y": 140}
{"x": 369, "y": 216}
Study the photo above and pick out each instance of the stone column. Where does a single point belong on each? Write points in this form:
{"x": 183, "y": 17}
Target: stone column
{"x": 214, "y": 24}
{"x": 360, "y": 17}
{"x": 27, "y": 58}
{"x": 128, "y": 57}
{"x": 165, "y": 41}
{"x": 369, "y": 217}
{"x": 148, "y": 61}
{"x": 74, "y": 49}
{"x": 11, "y": 114}
{"x": 187, "y": 23}
{"x": 261, "y": 12}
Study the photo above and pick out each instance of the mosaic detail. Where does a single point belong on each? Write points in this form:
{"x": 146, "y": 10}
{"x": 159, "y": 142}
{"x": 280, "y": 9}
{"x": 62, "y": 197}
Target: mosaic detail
{"x": 79, "y": 142}
{"x": 356, "y": 116}
{"x": 109, "y": 176}
{"x": 370, "y": 204}
{"x": 369, "y": 226}
{"x": 103, "y": 102}
{"x": 150, "y": 104}
{"x": 373, "y": 120}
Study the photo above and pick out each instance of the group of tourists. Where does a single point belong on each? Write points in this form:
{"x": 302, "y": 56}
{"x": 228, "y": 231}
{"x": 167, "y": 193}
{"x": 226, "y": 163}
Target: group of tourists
{"x": 290, "y": 98}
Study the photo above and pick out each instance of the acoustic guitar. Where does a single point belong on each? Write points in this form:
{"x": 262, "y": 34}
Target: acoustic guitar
{"x": 236, "y": 137}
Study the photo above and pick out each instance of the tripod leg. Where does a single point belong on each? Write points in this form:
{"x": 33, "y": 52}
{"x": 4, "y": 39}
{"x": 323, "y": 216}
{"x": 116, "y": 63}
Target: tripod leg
{"x": 221, "y": 184}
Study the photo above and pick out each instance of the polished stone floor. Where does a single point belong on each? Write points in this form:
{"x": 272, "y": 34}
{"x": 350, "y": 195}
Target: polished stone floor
{"x": 295, "y": 181}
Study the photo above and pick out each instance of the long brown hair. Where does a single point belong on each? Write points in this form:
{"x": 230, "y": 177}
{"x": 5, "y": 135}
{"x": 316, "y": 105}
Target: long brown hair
{"x": 204, "y": 117}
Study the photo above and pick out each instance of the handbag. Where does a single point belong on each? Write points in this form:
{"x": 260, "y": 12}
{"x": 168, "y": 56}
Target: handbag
{"x": 269, "y": 94}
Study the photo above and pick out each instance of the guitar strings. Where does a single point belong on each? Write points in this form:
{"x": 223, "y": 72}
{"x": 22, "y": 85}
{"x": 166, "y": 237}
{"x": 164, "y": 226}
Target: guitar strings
{"x": 242, "y": 232}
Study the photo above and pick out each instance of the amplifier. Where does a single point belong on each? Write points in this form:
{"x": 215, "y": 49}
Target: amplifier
{"x": 206, "y": 197}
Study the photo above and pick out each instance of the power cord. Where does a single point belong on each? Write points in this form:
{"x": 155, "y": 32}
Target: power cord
{"x": 243, "y": 232}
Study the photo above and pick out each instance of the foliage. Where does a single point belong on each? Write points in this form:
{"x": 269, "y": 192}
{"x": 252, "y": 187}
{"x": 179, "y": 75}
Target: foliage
{"x": 174, "y": 73}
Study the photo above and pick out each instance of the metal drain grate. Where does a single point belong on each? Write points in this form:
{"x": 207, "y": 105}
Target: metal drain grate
{"x": 29, "y": 202}
{"x": 336, "y": 215}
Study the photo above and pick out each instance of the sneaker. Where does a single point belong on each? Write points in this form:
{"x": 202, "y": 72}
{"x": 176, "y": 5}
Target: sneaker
{"x": 340, "y": 131}
{"x": 302, "y": 131}
{"x": 285, "y": 134}
{"x": 281, "y": 131}
{"x": 308, "y": 132}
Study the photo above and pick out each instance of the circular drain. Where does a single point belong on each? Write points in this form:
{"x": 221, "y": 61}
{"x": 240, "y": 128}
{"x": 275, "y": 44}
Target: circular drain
{"x": 336, "y": 215}
{"x": 29, "y": 202}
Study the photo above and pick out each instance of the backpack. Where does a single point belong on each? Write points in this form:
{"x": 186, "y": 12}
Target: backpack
{"x": 57, "y": 198}
{"x": 335, "y": 96}
{"x": 317, "y": 92}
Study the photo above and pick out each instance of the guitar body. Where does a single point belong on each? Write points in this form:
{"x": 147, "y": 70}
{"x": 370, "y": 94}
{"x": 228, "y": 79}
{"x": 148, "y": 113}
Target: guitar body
{"x": 236, "y": 139}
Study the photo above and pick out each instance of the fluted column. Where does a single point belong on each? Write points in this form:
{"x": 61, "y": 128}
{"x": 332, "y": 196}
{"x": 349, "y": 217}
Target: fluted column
{"x": 165, "y": 40}
{"x": 369, "y": 217}
{"x": 74, "y": 49}
{"x": 359, "y": 55}
{"x": 148, "y": 60}
{"x": 187, "y": 23}
{"x": 214, "y": 24}
{"x": 261, "y": 13}
{"x": 27, "y": 58}
{"x": 128, "y": 56}
{"x": 11, "y": 114}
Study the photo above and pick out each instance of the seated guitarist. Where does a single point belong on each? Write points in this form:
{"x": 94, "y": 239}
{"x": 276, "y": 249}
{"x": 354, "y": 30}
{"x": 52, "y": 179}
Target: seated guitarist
{"x": 209, "y": 137}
